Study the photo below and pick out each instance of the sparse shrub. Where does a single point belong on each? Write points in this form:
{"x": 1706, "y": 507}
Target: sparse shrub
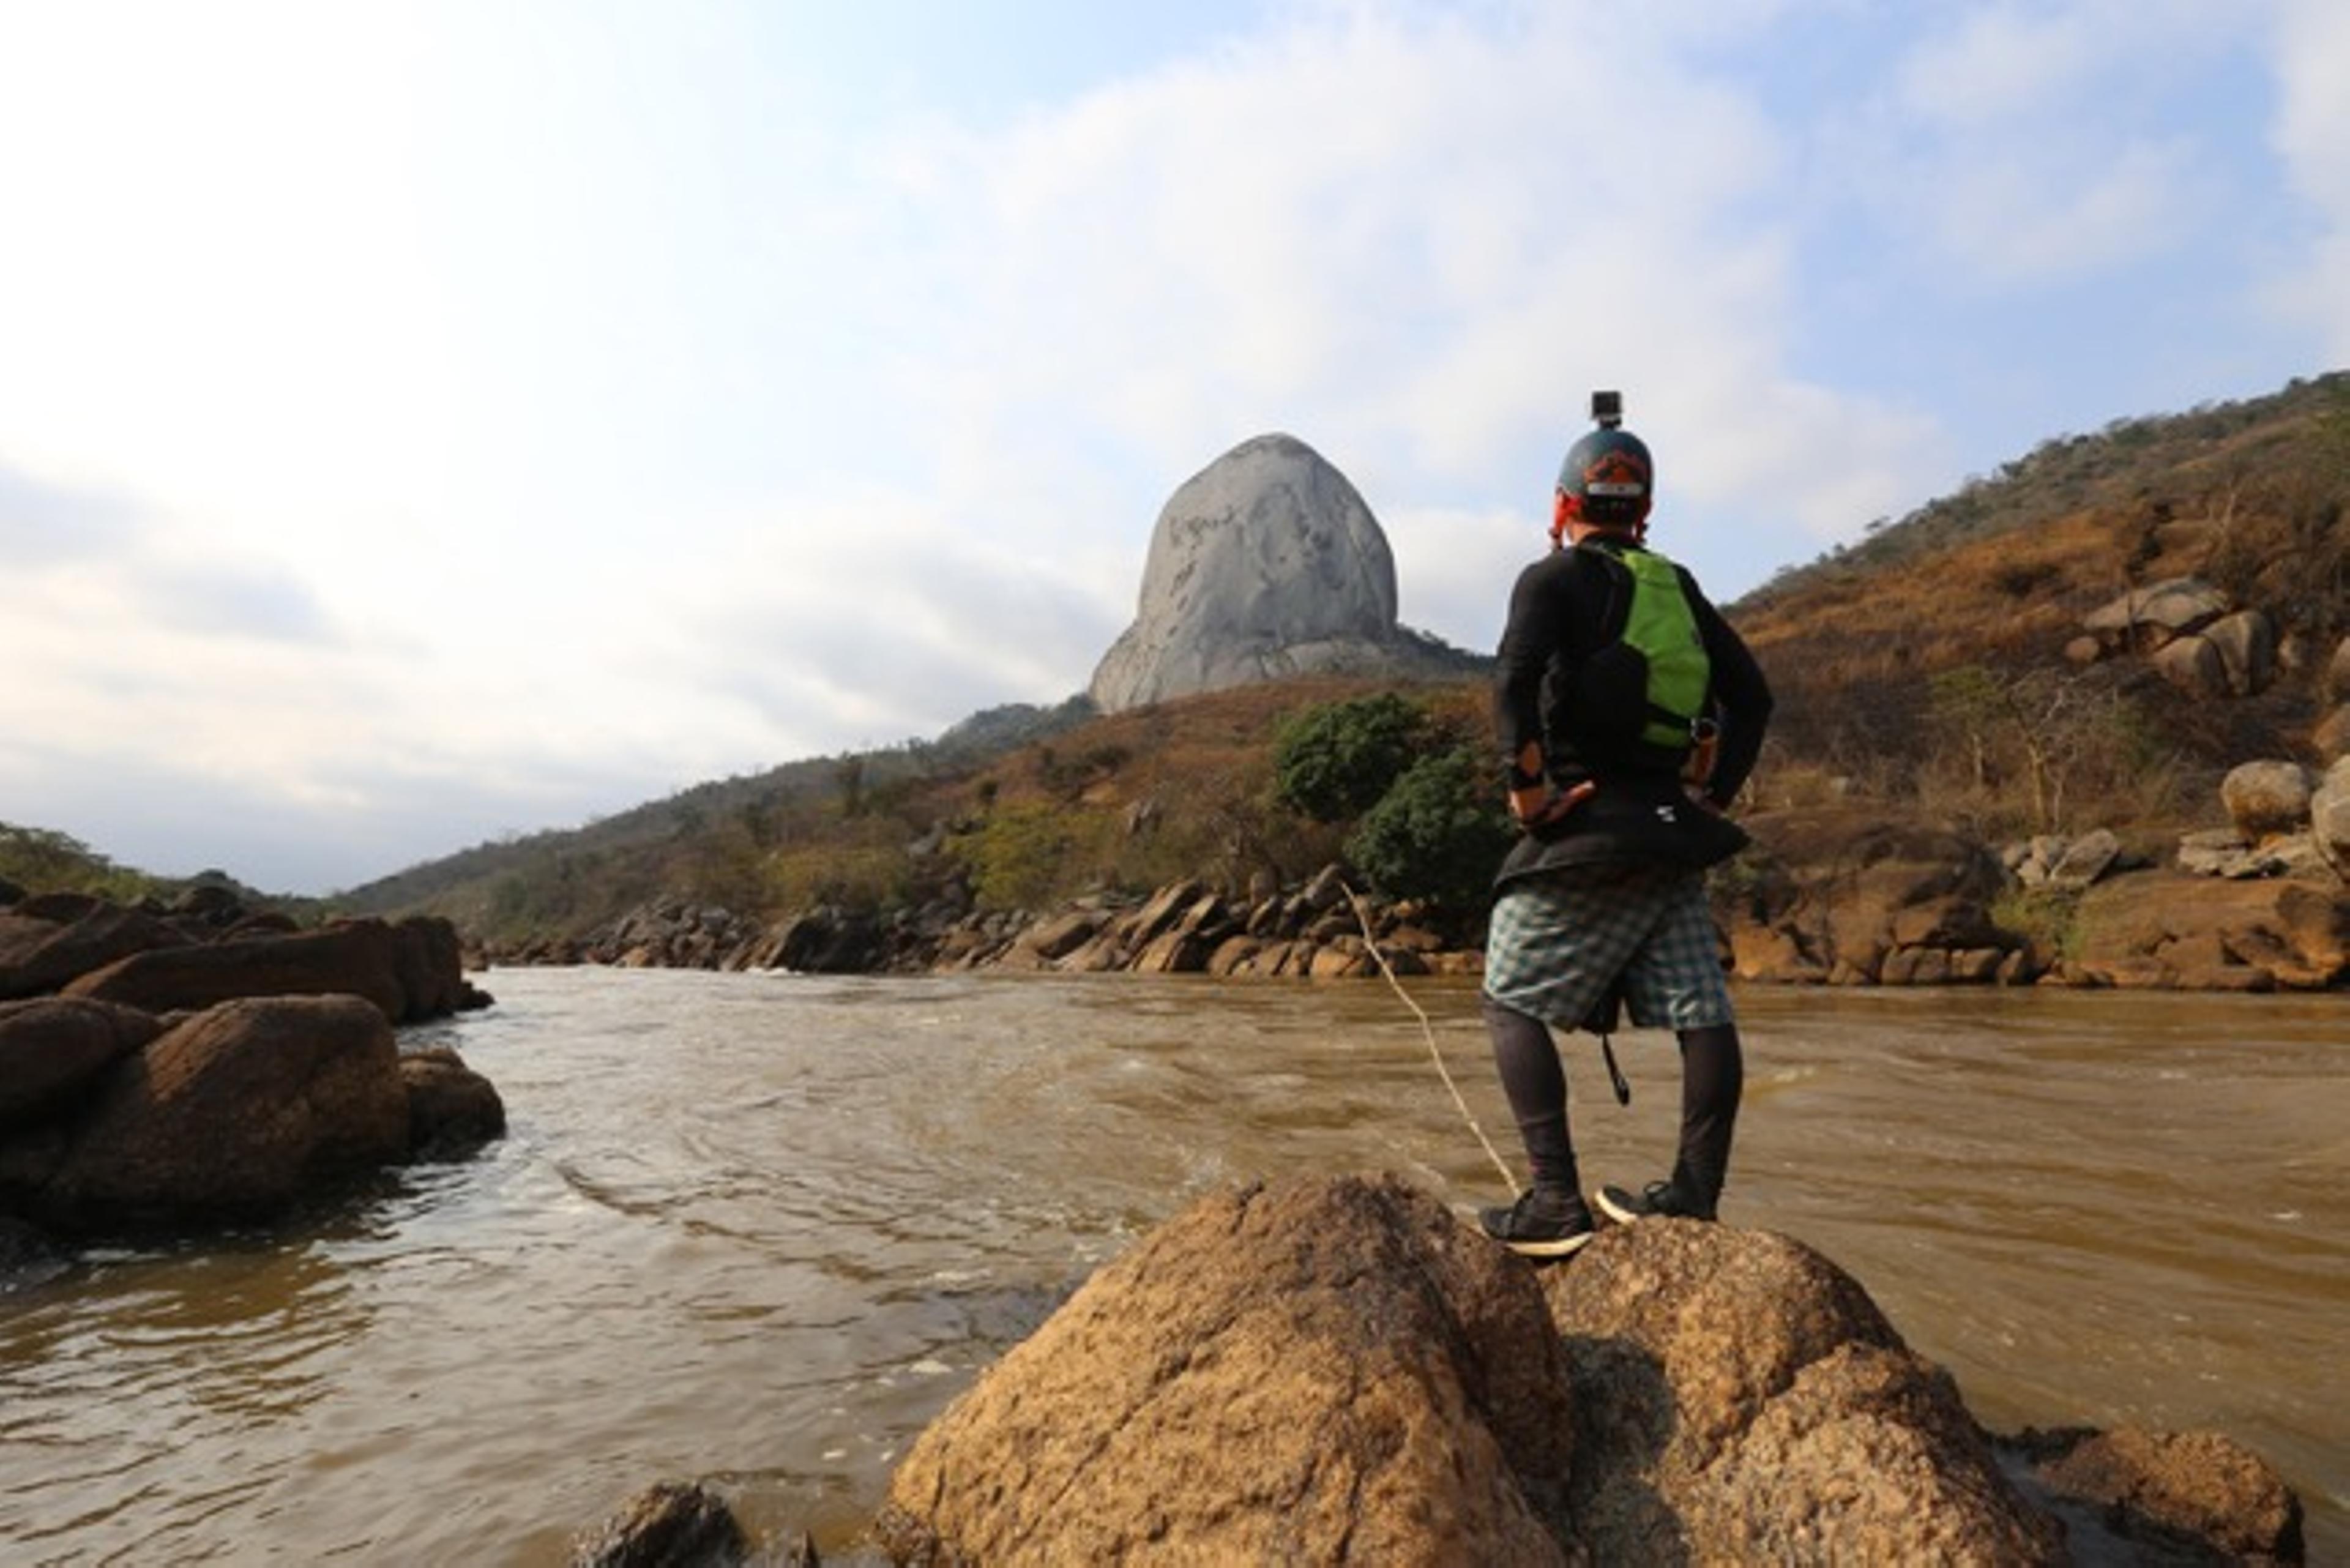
{"x": 1028, "y": 854}
{"x": 865, "y": 877}
{"x": 2050, "y": 918}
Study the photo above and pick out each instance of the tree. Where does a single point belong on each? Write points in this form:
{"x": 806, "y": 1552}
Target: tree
{"x": 1437, "y": 835}
{"x": 1334, "y": 761}
{"x": 2055, "y": 724}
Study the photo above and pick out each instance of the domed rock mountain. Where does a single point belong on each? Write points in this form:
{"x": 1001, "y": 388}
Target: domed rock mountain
{"x": 1264, "y": 565}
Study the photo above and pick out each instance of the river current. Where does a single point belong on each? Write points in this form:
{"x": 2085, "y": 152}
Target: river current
{"x": 763, "y": 1227}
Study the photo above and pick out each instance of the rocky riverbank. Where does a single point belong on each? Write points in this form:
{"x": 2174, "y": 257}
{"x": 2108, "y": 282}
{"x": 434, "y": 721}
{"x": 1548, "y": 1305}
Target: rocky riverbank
{"x": 1833, "y": 896}
{"x": 1342, "y": 1369}
{"x": 171, "y": 1068}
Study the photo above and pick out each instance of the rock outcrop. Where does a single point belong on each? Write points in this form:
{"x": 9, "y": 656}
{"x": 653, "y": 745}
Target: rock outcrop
{"x": 1265, "y": 565}
{"x": 181, "y": 1067}
{"x": 116, "y": 1123}
{"x": 52, "y": 1050}
{"x": 452, "y": 1109}
{"x": 672, "y": 1524}
{"x": 1321, "y": 1372}
{"x": 1738, "y": 1399}
{"x": 2192, "y": 634}
{"x": 1341, "y": 1369}
{"x": 409, "y": 971}
{"x": 232, "y": 1114}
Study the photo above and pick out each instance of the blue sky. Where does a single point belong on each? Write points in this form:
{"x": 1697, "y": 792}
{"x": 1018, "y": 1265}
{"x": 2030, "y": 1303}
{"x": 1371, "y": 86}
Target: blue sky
{"x": 421, "y": 423}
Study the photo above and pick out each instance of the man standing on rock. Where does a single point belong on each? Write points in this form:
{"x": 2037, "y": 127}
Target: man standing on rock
{"x": 1630, "y": 715}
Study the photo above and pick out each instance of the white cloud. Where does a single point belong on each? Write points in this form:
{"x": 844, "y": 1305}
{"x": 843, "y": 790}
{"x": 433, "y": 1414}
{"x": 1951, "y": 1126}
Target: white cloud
{"x": 2312, "y": 134}
{"x": 1433, "y": 239}
{"x": 2038, "y": 144}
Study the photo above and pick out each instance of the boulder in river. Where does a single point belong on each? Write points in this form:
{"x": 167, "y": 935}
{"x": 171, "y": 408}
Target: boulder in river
{"x": 1739, "y": 1398}
{"x": 671, "y": 1524}
{"x": 452, "y": 1109}
{"x": 1341, "y": 1368}
{"x": 52, "y": 1049}
{"x": 408, "y": 972}
{"x": 1319, "y": 1371}
{"x": 232, "y": 1114}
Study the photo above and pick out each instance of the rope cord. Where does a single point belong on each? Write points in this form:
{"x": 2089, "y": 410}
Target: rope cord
{"x": 1427, "y": 1030}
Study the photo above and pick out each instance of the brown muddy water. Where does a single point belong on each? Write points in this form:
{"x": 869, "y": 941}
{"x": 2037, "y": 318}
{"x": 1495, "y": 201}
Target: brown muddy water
{"x": 763, "y": 1227}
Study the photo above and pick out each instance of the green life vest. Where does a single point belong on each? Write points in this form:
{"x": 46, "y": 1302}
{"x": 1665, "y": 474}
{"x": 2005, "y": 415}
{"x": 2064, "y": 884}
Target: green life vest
{"x": 1653, "y": 680}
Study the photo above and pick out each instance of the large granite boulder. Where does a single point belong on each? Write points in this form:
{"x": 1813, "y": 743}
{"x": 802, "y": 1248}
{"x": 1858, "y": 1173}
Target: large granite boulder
{"x": 2330, "y": 739}
{"x": 1341, "y": 1369}
{"x": 2246, "y": 642}
{"x": 1264, "y": 565}
{"x": 2168, "y": 930}
{"x": 356, "y": 958}
{"x": 2266, "y": 798}
{"x": 672, "y": 1524}
{"x": 452, "y": 1109}
{"x": 1843, "y": 894}
{"x": 2149, "y": 617}
{"x": 41, "y": 954}
{"x": 1320, "y": 1371}
{"x": 2329, "y": 818}
{"x": 232, "y": 1115}
{"x": 2193, "y": 664}
{"x": 52, "y": 1050}
{"x": 1738, "y": 1399}
{"x": 2133, "y": 1495}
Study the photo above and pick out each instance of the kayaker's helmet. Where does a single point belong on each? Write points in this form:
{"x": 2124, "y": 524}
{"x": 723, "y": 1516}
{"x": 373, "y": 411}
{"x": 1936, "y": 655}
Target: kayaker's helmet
{"x": 1611, "y": 477}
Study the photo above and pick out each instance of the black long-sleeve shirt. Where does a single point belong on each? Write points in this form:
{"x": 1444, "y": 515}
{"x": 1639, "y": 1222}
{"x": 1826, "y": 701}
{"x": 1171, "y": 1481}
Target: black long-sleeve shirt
{"x": 1566, "y": 606}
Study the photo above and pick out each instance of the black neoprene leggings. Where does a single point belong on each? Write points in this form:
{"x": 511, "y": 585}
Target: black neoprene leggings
{"x": 1713, "y": 1077}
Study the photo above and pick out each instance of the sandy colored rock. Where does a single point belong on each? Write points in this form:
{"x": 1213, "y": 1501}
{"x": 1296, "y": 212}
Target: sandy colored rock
{"x": 1738, "y": 1399}
{"x": 2158, "y": 610}
{"x": 2299, "y": 931}
{"x": 2330, "y": 739}
{"x": 2246, "y": 642}
{"x": 2265, "y": 798}
{"x": 1324, "y": 1370}
{"x": 2329, "y": 818}
{"x": 2194, "y": 666}
{"x": 2202, "y": 1491}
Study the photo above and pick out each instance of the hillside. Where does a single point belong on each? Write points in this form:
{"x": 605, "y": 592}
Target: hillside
{"x": 1921, "y": 663}
{"x": 1923, "y": 669}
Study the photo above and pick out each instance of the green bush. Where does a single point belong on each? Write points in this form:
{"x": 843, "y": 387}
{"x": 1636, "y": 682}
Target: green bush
{"x": 1438, "y": 833}
{"x": 1334, "y": 761}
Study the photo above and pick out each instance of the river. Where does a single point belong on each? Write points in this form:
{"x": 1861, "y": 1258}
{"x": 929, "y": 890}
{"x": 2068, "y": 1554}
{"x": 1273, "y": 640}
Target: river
{"x": 762, "y": 1228}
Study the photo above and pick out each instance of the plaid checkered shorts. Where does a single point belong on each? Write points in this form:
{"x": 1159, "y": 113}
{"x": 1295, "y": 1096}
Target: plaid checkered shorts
{"x": 1557, "y": 939}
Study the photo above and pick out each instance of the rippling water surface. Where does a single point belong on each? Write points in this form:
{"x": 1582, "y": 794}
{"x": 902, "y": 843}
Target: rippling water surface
{"x": 763, "y": 1227}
